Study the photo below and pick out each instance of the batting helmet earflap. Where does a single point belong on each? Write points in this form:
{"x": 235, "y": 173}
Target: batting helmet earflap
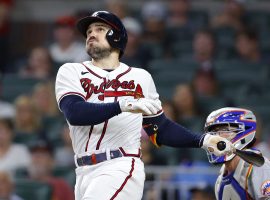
{"x": 117, "y": 36}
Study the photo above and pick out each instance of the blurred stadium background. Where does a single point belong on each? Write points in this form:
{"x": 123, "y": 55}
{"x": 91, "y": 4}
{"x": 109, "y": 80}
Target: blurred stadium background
{"x": 202, "y": 54}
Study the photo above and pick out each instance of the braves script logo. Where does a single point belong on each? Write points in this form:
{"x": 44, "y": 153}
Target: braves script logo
{"x": 127, "y": 86}
{"x": 265, "y": 188}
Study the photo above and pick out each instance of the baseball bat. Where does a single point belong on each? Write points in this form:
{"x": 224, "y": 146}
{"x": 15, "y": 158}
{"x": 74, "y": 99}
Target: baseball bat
{"x": 248, "y": 156}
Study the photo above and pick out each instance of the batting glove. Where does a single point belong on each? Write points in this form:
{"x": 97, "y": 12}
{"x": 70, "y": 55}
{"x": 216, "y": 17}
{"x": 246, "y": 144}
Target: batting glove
{"x": 210, "y": 144}
{"x": 143, "y": 105}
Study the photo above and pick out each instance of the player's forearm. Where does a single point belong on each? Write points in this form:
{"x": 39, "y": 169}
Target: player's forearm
{"x": 170, "y": 133}
{"x": 175, "y": 135}
{"x": 81, "y": 113}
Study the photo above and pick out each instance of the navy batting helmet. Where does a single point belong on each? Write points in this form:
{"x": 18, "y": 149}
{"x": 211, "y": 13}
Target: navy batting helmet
{"x": 116, "y": 36}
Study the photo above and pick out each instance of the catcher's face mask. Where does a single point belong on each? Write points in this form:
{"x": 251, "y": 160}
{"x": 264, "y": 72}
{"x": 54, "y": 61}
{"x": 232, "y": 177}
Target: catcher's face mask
{"x": 235, "y": 124}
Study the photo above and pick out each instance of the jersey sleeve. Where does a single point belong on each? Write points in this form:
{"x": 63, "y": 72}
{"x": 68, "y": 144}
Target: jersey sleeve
{"x": 152, "y": 91}
{"x": 261, "y": 181}
{"x": 152, "y": 94}
{"x": 67, "y": 83}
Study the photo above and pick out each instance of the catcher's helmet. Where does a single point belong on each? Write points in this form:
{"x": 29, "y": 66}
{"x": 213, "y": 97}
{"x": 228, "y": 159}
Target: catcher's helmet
{"x": 117, "y": 36}
{"x": 239, "y": 126}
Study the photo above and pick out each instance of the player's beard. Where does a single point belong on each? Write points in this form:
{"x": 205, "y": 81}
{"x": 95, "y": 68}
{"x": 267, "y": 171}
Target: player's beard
{"x": 98, "y": 53}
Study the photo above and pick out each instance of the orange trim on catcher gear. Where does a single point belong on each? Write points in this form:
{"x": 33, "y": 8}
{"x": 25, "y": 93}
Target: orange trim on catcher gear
{"x": 250, "y": 168}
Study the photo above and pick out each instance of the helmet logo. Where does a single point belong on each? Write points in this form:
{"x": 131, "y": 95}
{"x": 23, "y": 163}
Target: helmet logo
{"x": 116, "y": 37}
{"x": 110, "y": 32}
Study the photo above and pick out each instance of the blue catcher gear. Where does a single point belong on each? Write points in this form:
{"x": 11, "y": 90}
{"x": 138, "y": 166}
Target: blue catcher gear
{"x": 117, "y": 36}
{"x": 236, "y": 124}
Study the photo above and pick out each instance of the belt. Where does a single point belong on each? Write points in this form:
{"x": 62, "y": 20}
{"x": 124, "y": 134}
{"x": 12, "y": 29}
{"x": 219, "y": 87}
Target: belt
{"x": 100, "y": 157}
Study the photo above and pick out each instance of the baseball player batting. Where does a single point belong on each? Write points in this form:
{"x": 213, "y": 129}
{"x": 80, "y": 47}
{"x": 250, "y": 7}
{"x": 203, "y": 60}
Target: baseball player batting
{"x": 106, "y": 102}
{"x": 238, "y": 180}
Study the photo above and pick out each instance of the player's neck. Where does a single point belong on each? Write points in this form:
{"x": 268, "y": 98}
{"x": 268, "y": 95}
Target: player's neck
{"x": 231, "y": 165}
{"x": 110, "y": 62}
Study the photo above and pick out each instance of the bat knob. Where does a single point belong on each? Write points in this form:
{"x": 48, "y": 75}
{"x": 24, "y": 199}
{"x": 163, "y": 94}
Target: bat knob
{"x": 221, "y": 145}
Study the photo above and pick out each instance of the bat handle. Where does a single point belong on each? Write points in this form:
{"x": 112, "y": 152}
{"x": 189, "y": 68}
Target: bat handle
{"x": 248, "y": 156}
{"x": 221, "y": 145}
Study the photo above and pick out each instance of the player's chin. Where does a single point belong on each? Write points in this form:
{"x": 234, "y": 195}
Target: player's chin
{"x": 90, "y": 45}
{"x": 90, "y": 49}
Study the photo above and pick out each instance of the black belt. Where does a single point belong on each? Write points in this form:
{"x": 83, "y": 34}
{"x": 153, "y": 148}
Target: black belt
{"x": 97, "y": 158}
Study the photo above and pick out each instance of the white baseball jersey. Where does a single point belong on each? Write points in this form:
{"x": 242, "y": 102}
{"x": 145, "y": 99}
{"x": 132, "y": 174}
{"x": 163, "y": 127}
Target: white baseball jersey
{"x": 247, "y": 182}
{"x": 100, "y": 86}
{"x": 122, "y": 178}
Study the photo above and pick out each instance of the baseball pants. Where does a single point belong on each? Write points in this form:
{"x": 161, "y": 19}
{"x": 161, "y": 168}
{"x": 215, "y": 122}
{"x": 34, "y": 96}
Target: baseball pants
{"x": 117, "y": 179}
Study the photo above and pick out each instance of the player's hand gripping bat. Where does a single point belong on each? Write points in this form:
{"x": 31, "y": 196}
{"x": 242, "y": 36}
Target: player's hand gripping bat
{"x": 248, "y": 156}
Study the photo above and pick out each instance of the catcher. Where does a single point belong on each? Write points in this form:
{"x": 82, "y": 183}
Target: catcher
{"x": 238, "y": 180}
